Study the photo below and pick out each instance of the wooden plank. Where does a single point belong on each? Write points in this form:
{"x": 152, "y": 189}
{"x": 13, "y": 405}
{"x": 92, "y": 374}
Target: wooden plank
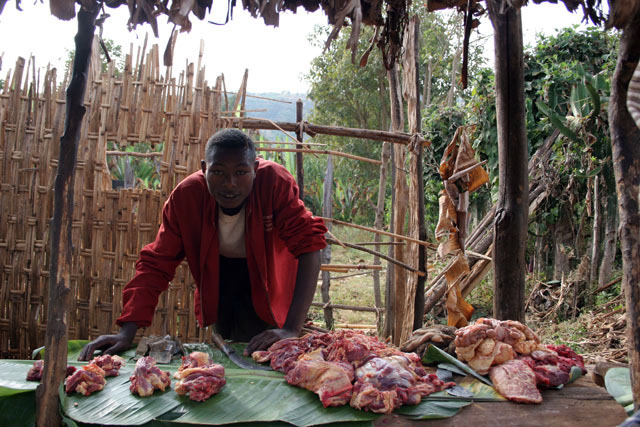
{"x": 579, "y": 404}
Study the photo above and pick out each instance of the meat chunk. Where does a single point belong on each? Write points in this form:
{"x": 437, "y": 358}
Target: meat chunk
{"x": 109, "y": 364}
{"x": 551, "y": 368}
{"x": 516, "y": 381}
{"x": 195, "y": 359}
{"x": 385, "y": 383}
{"x": 86, "y": 380}
{"x": 202, "y": 382}
{"x": 147, "y": 377}
{"x": 331, "y": 381}
{"x": 567, "y": 358}
{"x": 284, "y": 354}
{"x": 35, "y": 372}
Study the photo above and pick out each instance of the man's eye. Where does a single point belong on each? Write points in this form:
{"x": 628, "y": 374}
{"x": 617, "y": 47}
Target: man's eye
{"x": 216, "y": 172}
{"x": 241, "y": 172}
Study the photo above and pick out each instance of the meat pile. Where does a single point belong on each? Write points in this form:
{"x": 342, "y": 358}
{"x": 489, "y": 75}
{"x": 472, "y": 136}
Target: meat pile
{"x": 198, "y": 377}
{"x": 92, "y": 376}
{"x": 147, "y": 377}
{"x": 517, "y": 363}
{"x": 86, "y": 380}
{"x": 349, "y": 367}
{"x": 110, "y": 364}
{"x": 35, "y": 372}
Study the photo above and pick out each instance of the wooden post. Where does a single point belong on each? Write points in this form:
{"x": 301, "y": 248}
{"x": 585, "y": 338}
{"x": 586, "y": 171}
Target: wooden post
{"x": 382, "y": 188}
{"x": 417, "y": 228}
{"x": 625, "y": 142}
{"x": 327, "y": 211}
{"x": 299, "y": 162}
{"x": 510, "y": 236}
{"x": 55, "y": 361}
{"x": 400, "y": 190}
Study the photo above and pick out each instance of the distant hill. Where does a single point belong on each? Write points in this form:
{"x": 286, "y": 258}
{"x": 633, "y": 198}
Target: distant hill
{"x": 277, "y": 111}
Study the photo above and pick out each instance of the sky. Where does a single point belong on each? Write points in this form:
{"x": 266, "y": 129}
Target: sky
{"x": 277, "y": 58}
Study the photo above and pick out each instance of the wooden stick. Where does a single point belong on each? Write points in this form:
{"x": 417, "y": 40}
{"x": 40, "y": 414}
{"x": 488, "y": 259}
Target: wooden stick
{"x": 132, "y": 154}
{"x": 344, "y": 307}
{"x": 339, "y": 267}
{"x": 384, "y": 233}
{"x": 608, "y": 285}
{"x": 335, "y": 240}
{"x": 349, "y": 326}
{"x": 379, "y": 243}
{"x": 255, "y": 96}
{"x": 290, "y": 143}
{"x": 335, "y": 153}
{"x": 313, "y": 129}
{"x": 259, "y": 110}
{"x": 60, "y": 257}
{"x": 381, "y": 255}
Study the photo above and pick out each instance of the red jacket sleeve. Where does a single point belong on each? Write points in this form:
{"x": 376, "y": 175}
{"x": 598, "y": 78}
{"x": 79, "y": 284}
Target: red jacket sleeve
{"x": 155, "y": 268}
{"x": 301, "y": 232}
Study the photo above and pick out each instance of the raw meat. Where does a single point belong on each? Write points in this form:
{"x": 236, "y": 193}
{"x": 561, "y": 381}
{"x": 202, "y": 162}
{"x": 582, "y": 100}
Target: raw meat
{"x": 490, "y": 342}
{"x": 551, "y": 368}
{"x": 516, "y": 381}
{"x": 110, "y": 364}
{"x": 35, "y": 372}
{"x": 331, "y": 381}
{"x": 386, "y": 383}
{"x": 147, "y": 377}
{"x": 567, "y": 357}
{"x": 194, "y": 360}
{"x": 202, "y": 382}
{"x": 86, "y": 380}
{"x": 385, "y": 377}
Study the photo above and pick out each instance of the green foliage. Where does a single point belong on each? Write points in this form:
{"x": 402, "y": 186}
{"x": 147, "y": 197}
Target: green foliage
{"x": 115, "y": 54}
{"x": 136, "y": 171}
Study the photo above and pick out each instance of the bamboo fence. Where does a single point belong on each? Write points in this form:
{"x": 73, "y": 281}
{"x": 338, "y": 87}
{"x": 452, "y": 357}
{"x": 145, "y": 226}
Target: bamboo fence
{"x": 141, "y": 104}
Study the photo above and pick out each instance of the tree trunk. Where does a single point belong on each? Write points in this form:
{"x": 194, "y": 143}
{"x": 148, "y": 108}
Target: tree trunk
{"x": 299, "y": 160}
{"x": 563, "y": 244}
{"x": 426, "y": 90}
{"x": 510, "y": 236}
{"x": 595, "y": 241}
{"x": 327, "y": 212}
{"x": 382, "y": 189}
{"x": 55, "y": 361}
{"x": 451, "y": 95}
{"x": 625, "y": 141}
{"x": 610, "y": 240}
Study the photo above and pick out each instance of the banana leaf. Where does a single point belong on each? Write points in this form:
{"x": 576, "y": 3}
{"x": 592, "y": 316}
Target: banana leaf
{"x": 18, "y": 409}
{"x": 74, "y": 347}
{"x": 430, "y": 410}
{"x": 434, "y": 355}
{"x": 618, "y": 383}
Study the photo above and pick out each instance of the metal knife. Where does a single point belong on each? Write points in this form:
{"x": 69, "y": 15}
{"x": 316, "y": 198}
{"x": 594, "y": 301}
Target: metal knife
{"x": 235, "y": 357}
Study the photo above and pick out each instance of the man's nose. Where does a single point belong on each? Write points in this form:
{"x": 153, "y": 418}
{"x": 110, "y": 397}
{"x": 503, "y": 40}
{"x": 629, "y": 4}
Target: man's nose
{"x": 230, "y": 180}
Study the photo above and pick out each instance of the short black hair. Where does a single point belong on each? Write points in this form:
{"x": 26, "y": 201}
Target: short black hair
{"x": 229, "y": 138}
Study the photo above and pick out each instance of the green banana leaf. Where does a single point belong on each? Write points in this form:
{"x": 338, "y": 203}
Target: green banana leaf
{"x": 74, "y": 347}
{"x": 18, "y": 409}
{"x": 481, "y": 391}
{"x": 557, "y": 121}
{"x": 618, "y": 383}
{"x": 434, "y": 355}
{"x": 430, "y": 410}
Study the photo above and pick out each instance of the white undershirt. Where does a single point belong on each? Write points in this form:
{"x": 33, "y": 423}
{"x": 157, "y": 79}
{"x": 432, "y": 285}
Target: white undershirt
{"x": 231, "y": 234}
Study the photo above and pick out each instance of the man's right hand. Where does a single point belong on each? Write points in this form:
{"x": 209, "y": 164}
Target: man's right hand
{"x": 111, "y": 343}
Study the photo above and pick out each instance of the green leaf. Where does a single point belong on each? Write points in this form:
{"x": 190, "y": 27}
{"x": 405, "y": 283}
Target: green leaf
{"x": 430, "y": 409}
{"x": 116, "y": 405}
{"x": 595, "y": 99}
{"x": 618, "y": 383}
{"x": 18, "y": 409}
{"x": 434, "y": 354}
{"x": 451, "y": 367}
{"x": 574, "y": 374}
{"x": 557, "y": 121}
{"x": 481, "y": 391}
{"x": 74, "y": 347}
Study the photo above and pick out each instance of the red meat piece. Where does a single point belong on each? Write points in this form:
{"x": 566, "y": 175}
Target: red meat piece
{"x": 516, "y": 381}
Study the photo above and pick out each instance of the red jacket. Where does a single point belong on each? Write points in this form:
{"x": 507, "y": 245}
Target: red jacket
{"x": 278, "y": 229}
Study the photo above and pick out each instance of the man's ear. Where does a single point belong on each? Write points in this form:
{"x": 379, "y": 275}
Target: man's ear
{"x": 203, "y": 165}
{"x": 255, "y": 166}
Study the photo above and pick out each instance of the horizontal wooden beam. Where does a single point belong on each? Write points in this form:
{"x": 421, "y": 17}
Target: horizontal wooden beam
{"x": 345, "y": 307}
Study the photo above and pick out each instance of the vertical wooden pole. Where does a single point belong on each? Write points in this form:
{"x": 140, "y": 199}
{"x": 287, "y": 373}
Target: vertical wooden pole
{"x": 299, "y": 136}
{"x": 55, "y": 361}
{"x": 382, "y": 189}
{"x": 417, "y": 228}
{"x": 327, "y": 212}
{"x": 510, "y": 236}
{"x": 400, "y": 190}
{"x": 625, "y": 143}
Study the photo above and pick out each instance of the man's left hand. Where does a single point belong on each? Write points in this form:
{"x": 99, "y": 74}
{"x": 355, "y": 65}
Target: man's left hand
{"x": 263, "y": 340}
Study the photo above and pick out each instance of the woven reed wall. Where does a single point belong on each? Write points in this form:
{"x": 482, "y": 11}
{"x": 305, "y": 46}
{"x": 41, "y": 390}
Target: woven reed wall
{"x": 143, "y": 104}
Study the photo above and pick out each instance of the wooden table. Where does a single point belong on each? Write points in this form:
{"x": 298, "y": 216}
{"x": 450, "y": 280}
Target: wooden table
{"x": 579, "y": 404}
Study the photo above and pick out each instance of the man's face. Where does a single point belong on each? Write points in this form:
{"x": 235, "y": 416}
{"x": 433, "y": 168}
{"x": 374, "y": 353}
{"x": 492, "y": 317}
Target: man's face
{"x": 230, "y": 173}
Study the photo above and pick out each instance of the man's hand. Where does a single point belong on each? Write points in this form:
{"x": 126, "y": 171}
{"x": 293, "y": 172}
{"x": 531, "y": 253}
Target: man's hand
{"x": 263, "y": 340}
{"x": 112, "y": 343}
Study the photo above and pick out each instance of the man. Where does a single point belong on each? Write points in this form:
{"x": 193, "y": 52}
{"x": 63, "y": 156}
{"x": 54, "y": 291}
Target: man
{"x": 252, "y": 248}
